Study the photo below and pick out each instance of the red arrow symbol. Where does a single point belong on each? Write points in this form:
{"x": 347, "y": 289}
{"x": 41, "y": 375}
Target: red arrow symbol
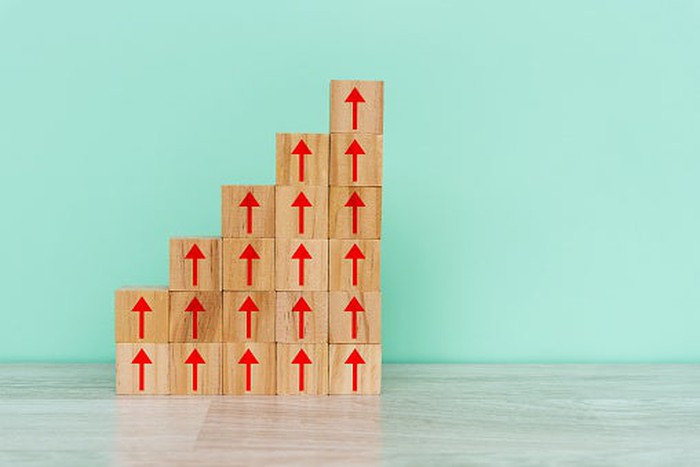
{"x": 302, "y": 254}
{"x": 141, "y": 359}
{"x": 354, "y": 202}
{"x": 194, "y": 307}
{"x": 354, "y": 98}
{"x": 195, "y": 359}
{"x": 301, "y": 307}
{"x": 354, "y": 307}
{"x": 301, "y": 202}
{"x": 354, "y": 359}
{"x": 301, "y": 150}
{"x": 354, "y": 150}
{"x": 301, "y": 359}
{"x": 249, "y": 202}
{"x": 354, "y": 254}
{"x": 141, "y": 307}
{"x": 248, "y": 359}
{"x": 195, "y": 254}
{"x": 248, "y": 306}
{"x": 249, "y": 254}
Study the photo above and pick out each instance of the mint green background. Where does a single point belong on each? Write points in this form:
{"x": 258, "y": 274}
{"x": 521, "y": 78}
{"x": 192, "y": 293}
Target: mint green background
{"x": 542, "y": 167}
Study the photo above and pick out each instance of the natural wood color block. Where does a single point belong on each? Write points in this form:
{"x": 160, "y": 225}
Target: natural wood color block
{"x": 195, "y": 368}
{"x": 260, "y": 379}
{"x": 142, "y": 368}
{"x": 357, "y": 107}
{"x": 301, "y": 212}
{"x": 260, "y": 306}
{"x": 355, "y": 369}
{"x": 195, "y": 263}
{"x": 302, "y": 159}
{"x": 363, "y": 307}
{"x": 301, "y": 264}
{"x": 302, "y": 369}
{"x": 302, "y": 317}
{"x": 355, "y": 212}
{"x": 354, "y": 265}
{"x": 248, "y": 211}
{"x": 356, "y": 159}
{"x": 249, "y": 264}
{"x": 141, "y": 314}
{"x": 195, "y": 316}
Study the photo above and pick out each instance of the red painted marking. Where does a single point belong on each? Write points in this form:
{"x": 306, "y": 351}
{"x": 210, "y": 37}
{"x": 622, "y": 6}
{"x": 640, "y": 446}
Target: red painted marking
{"x": 354, "y": 307}
{"x": 302, "y": 254}
{"x": 141, "y": 359}
{"x": 249, "y": 202}
{"x": 141, "y": 307}
{"x": 354, "y": 98}
{"x": 355, "y": 202}
{"x": 195, "y": 359}
{"x": 249, "y": 254}
{"x": 354, "y": 359}
{"x": 354, "y": 150}
{"x": 194, "y": 307}
{"x": 301, "y": 359}
{"x": 301, "y": 150}
{"x": 248, "y": 306}
{"x": 195, "y": 254}
{"x": 354, "y": 254}
{"x": 301, "y": 202}
{"x": 301, "y": 307}
{"x": 248, "y": 359}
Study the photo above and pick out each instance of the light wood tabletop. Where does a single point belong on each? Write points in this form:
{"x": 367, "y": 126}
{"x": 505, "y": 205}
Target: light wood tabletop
{"x": 427, "y": 415}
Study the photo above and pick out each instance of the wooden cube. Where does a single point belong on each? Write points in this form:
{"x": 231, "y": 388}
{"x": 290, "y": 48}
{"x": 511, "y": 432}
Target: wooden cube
{"x": 195, "y": 263}
{"x": 302, "y": 369}
{"x": 250, "y": 368}
{"x": 302, "y": 317}
{"x": 355, "y": 212}
{"x": 355, "y": 317}
{"x": 354, "y": 265}
{"x": 195, "y": 368}
{"x": 357, "y": 106}
{"x": 248, "y": 211}
{"x": 142, "y": 368}
{"x": 301, "y": 212}
{"x": 141, "y": 314}
{"x": 355, "y": 368}
{"x": 249, "y": 316}
{"x": 302, "y": 159}
{"x": 301, "y": 264}
{"x": 195, "y": 316}
{"x": 356, "y": 159}
{"x": 249, "y": 264}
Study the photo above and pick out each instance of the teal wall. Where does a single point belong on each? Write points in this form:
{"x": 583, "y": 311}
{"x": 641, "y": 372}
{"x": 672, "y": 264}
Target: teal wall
{"x": 542, "y": 163}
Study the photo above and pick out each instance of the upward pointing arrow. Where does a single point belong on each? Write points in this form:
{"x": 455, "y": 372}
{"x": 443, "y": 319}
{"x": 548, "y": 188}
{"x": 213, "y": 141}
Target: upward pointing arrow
{"x": 249, "y": 254}
{"x": 141, "y": 307}
{"x": 195, "y": 254}
{"x": 195, "y": 359}
{"x": 354, "y": 254}
{"x": 354, "y": 150}
{"x": 301, "y": 359}
{"x": 249, "y": 202}
{"x": 194, "y": 307}
{"x": 301, "y": 307}
{"x": 354, "y": 98}
{"x": 248, "y": 359}
{"x": 301, "y": 202}
{"x": 302, "y": 254}
{"x": 301, "y": 150}
{"x": 354, "y": 359}
{"x": 141, "y": 359}
{"x": 354, "y": 202}
{"x": 248, "y": 306}
{"x": 354, "y": 307}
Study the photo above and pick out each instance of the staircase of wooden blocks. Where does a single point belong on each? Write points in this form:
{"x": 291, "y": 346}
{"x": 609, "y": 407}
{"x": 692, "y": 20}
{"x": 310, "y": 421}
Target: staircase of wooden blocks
{"x": 287, "y": 300}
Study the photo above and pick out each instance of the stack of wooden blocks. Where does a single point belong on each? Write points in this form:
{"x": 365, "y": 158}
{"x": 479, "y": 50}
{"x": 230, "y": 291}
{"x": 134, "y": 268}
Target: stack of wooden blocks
{"x": 287, "y": 300}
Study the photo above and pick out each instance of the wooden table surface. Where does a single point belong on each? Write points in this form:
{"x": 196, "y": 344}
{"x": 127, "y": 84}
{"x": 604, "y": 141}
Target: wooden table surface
{"x": 428, "y": 415}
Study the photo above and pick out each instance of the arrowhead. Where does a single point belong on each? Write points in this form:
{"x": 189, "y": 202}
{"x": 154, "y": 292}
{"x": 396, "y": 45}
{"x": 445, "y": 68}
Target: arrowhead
{"x": 355, "y": 201}
{"x": 248, "y": 358}
{"x": 249, "y": 253}
{"x": 301, "y": 149}
{"x": 301, "y": 201}
{"x": 195, "y": 305}
{"x": 355, "y": 358}
{"x": 354, "y": 253}
{"x": 354, "y": 148}
{"x": 249, "y": 201}
{"x": 141, "y": 305}
{"x": 301, "y": 305}
{"x": 301, "y": 253}
{"x": 195, "y": 253}
{"x": 301, "y": 358}
{"x": 195, "y": 358}
{"x": 141, "y": 358}
{"x": 354, "y": 305}
{"x": 354, "y": 96}
{"x": 248, "y": 305}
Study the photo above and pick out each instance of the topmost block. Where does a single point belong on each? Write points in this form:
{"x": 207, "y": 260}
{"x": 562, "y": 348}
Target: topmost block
{"x": 357, "y": 107}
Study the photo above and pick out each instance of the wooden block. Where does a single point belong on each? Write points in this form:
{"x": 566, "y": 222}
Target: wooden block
{"x": 357, "y": 106}
{"x": 355, "y": 369}
{"x": 142, "y": 368}
{"x": 248, "y": 211}
{"x": 354, "y": 265}
{"x": 301, "y": 212}
{"x": 356, "y": 159}
{"x": 302, "y": 369}
{"x": 301, "y": 264}
{"x": 250, "y": 368}
{"x": 302, "y": 317}
{"x": 141, "y": 314}
{"x": 195, "y": 368}
{"x": 355, "y": 212}
{"x": 302, "y": 159}
{"x": 195, "y": 316}
{"x": 249, "y": 316}
{"x": 249, "y": 264}
{"x": 355, "y": 317}
{"x": 195, "y": 263}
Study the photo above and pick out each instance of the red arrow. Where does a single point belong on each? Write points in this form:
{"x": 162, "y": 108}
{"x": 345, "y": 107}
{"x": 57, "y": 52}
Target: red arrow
{"x": 141, "y": 307}
{"x": 301, "y": 202}
{"x": 248, "y": 306}
{"x": 354, "y": 254}
{"x": 354, "y": 202}
{"x": 194, "y": 307}
{"x": 354, "y": 359}
{"x": 301, "y": 150}
{"x": 354, "y": 98}
{"x": 301, "y": 359}
{"x": 195, "y": 254}
{"x": 248, "y": 359}
{"x": 354, "y": 150}
{"x": 302, "y": 254}
{"x": 301, "y": 307}
{"x": 354, "y": 307}
{"x": 249, "y": 202}
{"x": 195, "y": 359}
{"x": 141, "y": 359}
{"x": 249, "y": 254}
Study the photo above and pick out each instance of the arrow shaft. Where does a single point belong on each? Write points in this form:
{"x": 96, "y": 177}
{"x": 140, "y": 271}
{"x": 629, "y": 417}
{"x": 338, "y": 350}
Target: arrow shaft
{"x": 354, "y": 325}
{"x": 249, "y": 272}
{"x": 301, "y": 377}
{"x": 354, "y": 271}
{"x": 354, "y": 219}
{"x": 301, "y": 219}
{"x": 195, "y": 382}
{"x": 249, "y": 219}
{"x": 301, "y": 325}
{"x": 195, "y": 333}
{"x": 248, "y": 377}
{"x": 301, "y": 167}
{"x": 301, "y": 271}
{"x": 142, "y": 324}
{"x": 142, "y": 376}
{"x": 354, "y": 377}
{"x": 354, "y": 115}
{"x": 195, "y": 275}
{"x": 248, "y": 324}
{"x": 354, "y": 167}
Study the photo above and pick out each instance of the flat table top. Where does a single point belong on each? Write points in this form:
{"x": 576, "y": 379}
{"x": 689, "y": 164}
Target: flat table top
{"x": 428, "y": 415}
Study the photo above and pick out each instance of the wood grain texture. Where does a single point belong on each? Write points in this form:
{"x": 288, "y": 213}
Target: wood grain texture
{"x": 369, "y": 165}
{"x": 262, "y": 322}
{"x": 288, "y": 275}
{"x": 155, "y": 374}
{"x": 315, "y": 321}
{"x": 315, "y": 216}
{"x": 368, "y": 272}
{"x": 209, "y": 321}
{"x": 155, "y": 322}
{"x": 370, "y": 113}
{"x": 263, "y": 375}
{"x": 369, "y": 321}
{"x": 234, "y": 217}
{"x": 208, "y": 269}
{"x": 315, "y": 170}
{"x": 208, "y": 373}
{"x": 369, "y": 216}
{"x": 315, "y": 380}
{"x": 368, "y": 369}
{"x": 235, "y": 270}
